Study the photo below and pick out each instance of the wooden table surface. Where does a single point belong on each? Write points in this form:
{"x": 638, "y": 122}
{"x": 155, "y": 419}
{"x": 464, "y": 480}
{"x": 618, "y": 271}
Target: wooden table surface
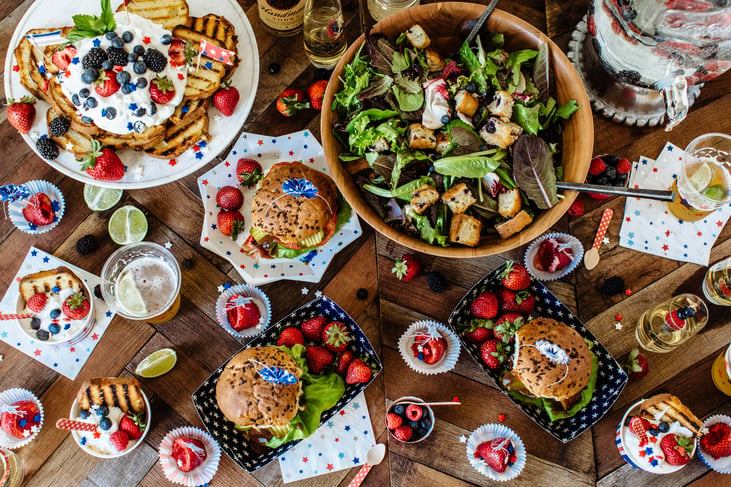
{"x": 175, "y": 213}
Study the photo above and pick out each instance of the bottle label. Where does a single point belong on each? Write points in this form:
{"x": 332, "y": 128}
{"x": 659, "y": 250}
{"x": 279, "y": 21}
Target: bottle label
{"x": 282, "y": 15}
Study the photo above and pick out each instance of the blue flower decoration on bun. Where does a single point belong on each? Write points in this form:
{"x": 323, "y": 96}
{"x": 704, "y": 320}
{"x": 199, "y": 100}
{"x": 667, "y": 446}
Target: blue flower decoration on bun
{"x": 299, "y": 188}
{"x": 277, "y": 375}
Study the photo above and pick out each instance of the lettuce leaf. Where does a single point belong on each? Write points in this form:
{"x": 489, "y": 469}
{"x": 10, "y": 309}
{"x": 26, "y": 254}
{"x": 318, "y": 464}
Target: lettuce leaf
{"x": 320, "y": 394}
{"x": 432, "y": 234}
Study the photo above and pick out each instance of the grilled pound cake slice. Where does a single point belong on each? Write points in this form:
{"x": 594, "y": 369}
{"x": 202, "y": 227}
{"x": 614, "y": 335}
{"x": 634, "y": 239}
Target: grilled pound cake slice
{"x": 668, "y": 408}
{"x": 220, "y": 29}
{"x": 179, "y": 138}
{"x": 28, "y": 59}
{"x": 44, "y": 282}
{"x": 65, "y": 107}
{"x": 167, "y": 13}
{"x": 75, "y": 142}
{"x": 185, "y": 109}
{"x": 122, "y": 392}
{"x": 204, "y": 78}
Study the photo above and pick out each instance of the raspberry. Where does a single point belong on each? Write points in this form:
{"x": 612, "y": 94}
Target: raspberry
{"x": 597, "y": 166}
{"x": 393, "y": 421}
{"x": 120, "y": 440}
{"x": 623, "y": 166}
{"x": 403, "y": 433}
{"x": 576, "y": 208}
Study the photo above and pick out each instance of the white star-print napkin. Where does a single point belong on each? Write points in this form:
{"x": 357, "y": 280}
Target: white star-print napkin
{"x": 66, "y": 360}
{"x": 648, "y": 226}
{"x": 342, "y": 442}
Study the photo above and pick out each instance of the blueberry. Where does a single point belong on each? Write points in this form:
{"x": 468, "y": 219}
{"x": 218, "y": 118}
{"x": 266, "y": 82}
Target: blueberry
{"x": 425, "y": 422}
{"x": 86, "y": 119}
{"x": 98, "y": 288}
{"x": 91, "y": 102}
{"x": 123, "y": 77}
{"x": 412, "y": 424}
{"x": 107, "y": 65}
{"x": 490, "y": 126}
{"x": 601, "y": 179}
{"x": 611, "y": 160}
{"x": 653, "y": 431}
{"x": 127, "y": 36}
{"x": 483, "y": 148}
{"x": 84, "y": 413}
{"x": 105, "y": 424}
{"x": 75, "y": 99}
{"x": 166, "y": 39}
{"x": 110, "y": 35}
{"x": 445, "y": 119}
{"x": 362, "y": 293}
{"x": 35, "y": 323}
{"x": 53, "y": 328}
{"x": 55, "y": 313}
{"x": 102, "y": 411}
{"x": 118, "y": 43}
{"x": 140, "y": 112}
{"x": 627, "y": 421}
{"x": 399, "y": 409}
{"x": 622, "y": 177}
{"x": 110, "y": 113}
{"x": 153, "y": 108}
{"x": 418, "y": 434}
{"x": 132, "y": 57}
{"x": 90, "y": 75}
{"x": 617, "y": 182}
{"x": 139, "y": 49}
{"x": 471, "y": 87}
{"x": 141, "y": 82}
{"x": 42, "y": 335}
{"x": 611, "y": 172}
{"x": 139, "y": 67}
{"x": 274, "y": 68}
{"x": 664, "y": 427}
{"x": 126, "y": 89}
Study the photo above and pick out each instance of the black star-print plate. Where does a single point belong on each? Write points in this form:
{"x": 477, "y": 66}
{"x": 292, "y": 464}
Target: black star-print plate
{"x": 611, "y": 379}
{"x": 231, "y": 441}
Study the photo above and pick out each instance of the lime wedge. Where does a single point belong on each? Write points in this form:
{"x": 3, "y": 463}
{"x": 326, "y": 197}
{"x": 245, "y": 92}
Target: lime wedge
{"x": 127, "y": 225}
{"x": 701, "y": 177}
{"x": 129, "y": 296}
{"x": 716, "y": 192}
{"x": 157, "y": 363}
{"x": 101, "y": 199}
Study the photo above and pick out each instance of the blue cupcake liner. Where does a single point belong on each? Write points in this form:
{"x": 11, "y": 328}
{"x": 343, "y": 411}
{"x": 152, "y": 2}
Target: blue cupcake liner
{"x": 15, "y": 208}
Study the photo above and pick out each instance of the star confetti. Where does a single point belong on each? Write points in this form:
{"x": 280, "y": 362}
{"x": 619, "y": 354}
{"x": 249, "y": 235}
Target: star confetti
{"x": 220, "y": 289}
{"x": 305, "y": 290}
{"x": 605, "y": 240}
{"x": 168, "y": 245}
{"x": 628, "y": 292}
{"x": 455, "y": 398}
{"x": 69, "y": 146}
{"x": 318, "y": 294}
{"x": 463, "y": 439}
{"x": 501, "y": 417}
{"x": 618, "y": 317}
{"x": 618, "y": 325}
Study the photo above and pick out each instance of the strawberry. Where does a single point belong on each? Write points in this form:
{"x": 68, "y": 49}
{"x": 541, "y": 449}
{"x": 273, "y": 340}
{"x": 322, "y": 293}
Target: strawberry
{"x": 316, "y": 92}
{"x": 639, "y": 427}
{"x": 478, "y": 331}
{"x": 676, "y": 318}
{"x": 406, "y": 268}
{"x": 242, "y": 312}
{"x": 290, "y": 337}
{"x": 597, "y": 166}
{"x": 636, "y": 364}
{"x": 132, "y": 425}
{"x": 393, "y": 421}
{"x": 229, "y": 198}
{"x": 318, "y": 358}
{"x": 515, "y": 276}
{"x": 76, "y": 306}
{"x": 429, "y": 348}
{"x": 507, "y": 325}
{"x": 358, "y": 372}
{"x": 106, "y": 84}
{"x": 39, "y": 210}
{"x": 120, "y": 440}
{"x": 717, "y": 442}
{"x": 162, "y": 90}
{"x": 22, "y": 417}
{"x": 188, "y": 453}
{"x": 403, "y": 433}
{"x": 102, "y": 163}
{"x": 37, "y": 302}
{"x": 181, "y": 52}
{"x": 496, "y": 453}
{"x": 624, "y": 166}
{"x": 413, "y": 412}
{"x": 312, "y": 328}
{"x": 62, "y": 57}
{"x": 248, "y": 171}
{"x": 485, "y": 305}
{"x": 576, "y": 208}
{"x": 342, "y": 362}
{"x": 677, "y": 449}
{"x": 230, "y": 223}
{"x": 226, "y": 99}
{"x": 290, "y": 101}
{"x": 336, "y": 336}
{"x": 521, "y": 302}
{"x": 552, "y": 255}
{"x": 492, "y": 353}
{"x": 21, "y": 113}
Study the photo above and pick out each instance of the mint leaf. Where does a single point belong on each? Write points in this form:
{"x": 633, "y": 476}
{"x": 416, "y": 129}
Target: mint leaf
{"x": 108, "y": 16}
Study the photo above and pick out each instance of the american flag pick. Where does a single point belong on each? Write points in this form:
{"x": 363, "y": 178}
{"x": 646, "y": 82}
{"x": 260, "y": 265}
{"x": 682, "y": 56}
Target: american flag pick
{"x": 214, "y": 52}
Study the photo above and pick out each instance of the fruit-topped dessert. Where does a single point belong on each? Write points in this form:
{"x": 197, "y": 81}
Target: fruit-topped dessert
{"x": 496, "y": 451}
{"x": 553, "y": 256}
{"x": 56, "y": 306}
{"x": 715, "y": 444}
{"x": 21, "y": 417}
{"x": 33, "y": 207}
{"x": 243, "y": 310}
{"x": 429, "y": 347}
{"x": 409, "y": 420}
{"x": 189, "y": 456}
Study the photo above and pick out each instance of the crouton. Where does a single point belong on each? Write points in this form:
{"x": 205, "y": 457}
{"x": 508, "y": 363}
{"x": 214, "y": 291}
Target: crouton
{"x": 458, "y": 198}
{"x": 500, "y": 133}
{"x": 514, "y": 225}
{"x": 357, "y": 165}
{"x": 434, "y": 61}
{"x": 465, "y": 103}
{"x": 380, "y": 145}
{"x": 465, "y": 230}
{"x": 501, "y": 105}
{"x": 421, "y": 137}
{"x": 418, "y": 37}
{"x": 423, "y": 197}
{"x": 443, "y": 143}
{"x": 508, "y": 203}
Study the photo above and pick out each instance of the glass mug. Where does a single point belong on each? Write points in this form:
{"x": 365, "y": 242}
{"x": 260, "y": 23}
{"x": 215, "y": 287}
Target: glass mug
{"x": 669, "y": 324}
{"x": 141, "y": 281}
{"x": 717, "y": 283}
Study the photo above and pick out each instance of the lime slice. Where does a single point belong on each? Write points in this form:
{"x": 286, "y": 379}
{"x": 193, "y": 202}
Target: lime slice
{"x": 101, "y": 199}
{"x": 127, "y": 225}
{"x": 157, "y": 363}
{"x": 716, "y": 192}
{"x": 701, "y": 177}
{"x": 129, "y": 296}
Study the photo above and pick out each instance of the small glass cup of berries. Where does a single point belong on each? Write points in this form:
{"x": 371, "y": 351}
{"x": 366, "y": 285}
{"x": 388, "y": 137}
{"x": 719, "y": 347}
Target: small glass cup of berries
{"x": 496, "y": 451}
{"x": 410, "y": 419}
{"x": 243, "y": 311}
{"x": 608, "y": 170}
{"x": 429, "y": 347}
{"x": 189, "y": 456}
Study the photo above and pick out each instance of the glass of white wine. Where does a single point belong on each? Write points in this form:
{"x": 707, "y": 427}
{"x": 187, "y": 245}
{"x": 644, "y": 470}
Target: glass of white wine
{"x": 325, "y": 41}
{"x": 663, "y": 328}
{"x": 11, "y": 469}
{"x": 717, "y": 283}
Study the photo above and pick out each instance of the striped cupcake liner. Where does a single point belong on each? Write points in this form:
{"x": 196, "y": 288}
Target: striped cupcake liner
{"x": 720, "y": 465}
{"x": 488, "y": 432}
{"x": 249, "y": 292}
{"x": 15, "y": 208}
{"x": 10, "y": 397}
{"x": 200, "y": 475}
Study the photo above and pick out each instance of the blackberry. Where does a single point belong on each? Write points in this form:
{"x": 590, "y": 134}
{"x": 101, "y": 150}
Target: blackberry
{"x": 94, "y": 58}
{"x": 59, "y": 126}
{"x": 86, "y": 244}
{"x": 613, "y": 285}
{"x": 435, "y": 281}
{"x": 187, "y": 264}
{"x": 98, "y": 291}
{"x": 35, "y": 323}
{"x": 42, "y": 335}
{"x": 118, "y": 56}
{"x": 47, "y": 147}
{"x": 274, "y": 68}
{"x": 155, "y": 60}
{"x": 362, "y": 293}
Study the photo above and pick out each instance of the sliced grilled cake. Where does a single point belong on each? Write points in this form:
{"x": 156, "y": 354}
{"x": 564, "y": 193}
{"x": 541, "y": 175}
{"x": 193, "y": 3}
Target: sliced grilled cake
{"x": 168, "y": 13}
{"x": 668, "y": 408}
{"x": 122, "y": 392}
{"x": 179, "y": 138}
{"x": 43, "y": 282}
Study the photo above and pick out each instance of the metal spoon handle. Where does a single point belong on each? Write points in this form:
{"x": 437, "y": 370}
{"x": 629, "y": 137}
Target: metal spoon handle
{"x": 481, "y": 21}
{"x": 653, "y": 194}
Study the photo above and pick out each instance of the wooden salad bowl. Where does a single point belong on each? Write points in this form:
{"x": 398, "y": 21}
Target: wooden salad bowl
{"x": 441, "y": 21}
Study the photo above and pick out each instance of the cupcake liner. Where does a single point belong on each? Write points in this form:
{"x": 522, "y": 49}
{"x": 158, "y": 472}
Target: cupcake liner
{"x": 722, "y": 465}
{"x": 249, "y": 292}
{"x": 487, "y": 432}
{"x": 198, "y": 476}
{"x": 532, "y": 250}
{"x": 15, "y": 209}
{"x": 9, "y": 397}
{"x": 422, "y": 403}
{"x": 445, "y": 364}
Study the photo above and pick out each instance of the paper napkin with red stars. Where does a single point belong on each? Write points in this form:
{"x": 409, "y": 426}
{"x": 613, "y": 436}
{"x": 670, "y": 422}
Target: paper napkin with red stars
{"x": 648, "y": 226}
{"x": 339, "y": 443}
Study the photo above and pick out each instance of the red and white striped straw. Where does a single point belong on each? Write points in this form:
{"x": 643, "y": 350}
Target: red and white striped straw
{"x": 70, "y": 424}
{"x": 21, "y": 316}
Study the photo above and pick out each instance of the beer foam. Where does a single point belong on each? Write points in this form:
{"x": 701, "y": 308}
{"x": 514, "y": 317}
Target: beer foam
{"x": 155, "y": 281}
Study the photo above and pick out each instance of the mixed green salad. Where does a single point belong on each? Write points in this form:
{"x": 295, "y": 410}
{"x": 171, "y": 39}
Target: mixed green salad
{"x": 417, "y": 125}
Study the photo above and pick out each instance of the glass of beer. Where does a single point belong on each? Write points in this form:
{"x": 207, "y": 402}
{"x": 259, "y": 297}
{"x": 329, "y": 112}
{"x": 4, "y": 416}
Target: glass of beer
{"x": 703, "y": 183}
{"x": 721, "y": 371}
{"x": 11, "y": 469}
{"x": 141, "y": 281}
{"x": 663, "y": 328}
{"x": 717, "y": 283}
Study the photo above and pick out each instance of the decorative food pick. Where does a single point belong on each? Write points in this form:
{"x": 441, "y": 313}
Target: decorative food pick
{"x": 70, "y": 424}
{"x": 275, "y": 375}
{"x": 591, "y": 257}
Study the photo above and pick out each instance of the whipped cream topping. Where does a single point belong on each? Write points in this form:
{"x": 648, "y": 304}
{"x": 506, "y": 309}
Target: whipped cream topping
{"x": 99, "y": 441}
{"x": 68, "y": 328}
{"x": 127, "y": 115}
{"x": 650, "y": 456}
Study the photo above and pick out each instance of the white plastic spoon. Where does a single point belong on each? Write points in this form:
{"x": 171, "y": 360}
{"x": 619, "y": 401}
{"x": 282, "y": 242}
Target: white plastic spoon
{"x": 374, "y": 456}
